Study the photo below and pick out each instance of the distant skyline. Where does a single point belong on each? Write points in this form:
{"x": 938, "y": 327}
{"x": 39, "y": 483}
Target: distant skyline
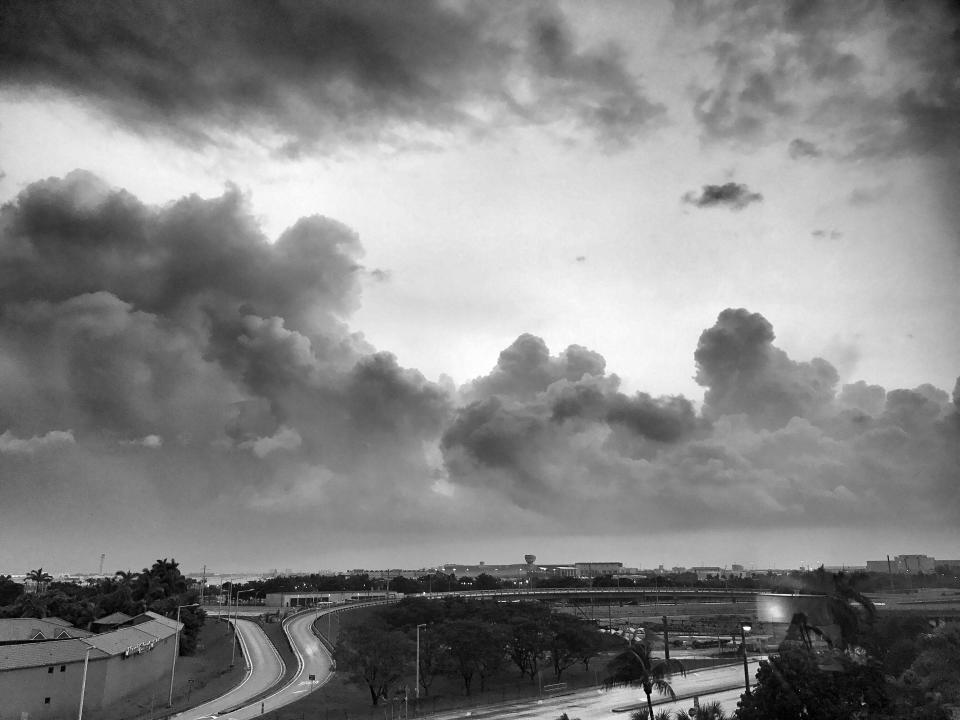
{"x": 378, "y": 284}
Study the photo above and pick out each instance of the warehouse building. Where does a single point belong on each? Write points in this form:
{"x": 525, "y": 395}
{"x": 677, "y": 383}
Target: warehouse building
{"x": 42, "y": 673}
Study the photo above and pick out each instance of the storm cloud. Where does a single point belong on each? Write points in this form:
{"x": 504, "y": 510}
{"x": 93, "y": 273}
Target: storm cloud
{"x": 735, "y": 196}
{"x": 182, "y": 332}
{"x": 308, "y": 76}
{"x": 174, "y": 357}
{"x": 771, "y": 429}
{"x": 814, "y": 64}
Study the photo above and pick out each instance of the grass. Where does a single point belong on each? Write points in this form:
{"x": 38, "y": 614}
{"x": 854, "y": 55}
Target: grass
{"x": 200, "y": 677}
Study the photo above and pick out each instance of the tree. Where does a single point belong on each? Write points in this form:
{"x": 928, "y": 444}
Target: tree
{"x": 792, "y": 686}
{"x": 432, "y": 657}
{"x": 571, "y": 641}
{"x": 373, "y": 656}
{"x": 9, "y": 590}
{"x": 40, "y": 578}
{"x": 486, "y": 582}
{"x": 473, "y": 647}
{"x": 636, "y": 666}
{"x": 937, "y": 667}
{"x": 404, "y": 585}
{"x": 529, "y": 637}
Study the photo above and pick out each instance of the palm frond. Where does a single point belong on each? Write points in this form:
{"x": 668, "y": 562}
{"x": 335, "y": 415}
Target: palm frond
{"x": 664, "y": 688}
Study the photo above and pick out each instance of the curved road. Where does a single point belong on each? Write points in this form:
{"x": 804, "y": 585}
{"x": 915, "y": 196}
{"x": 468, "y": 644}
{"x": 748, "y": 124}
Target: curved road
{"x": 312, "y": 659}
{"x": 598, "y": 704}
{"x": 264, "y": 669}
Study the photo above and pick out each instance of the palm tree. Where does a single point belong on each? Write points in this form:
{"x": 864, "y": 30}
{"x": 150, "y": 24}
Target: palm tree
{"x": 841, "y": 596}
{"x": 39, "y": 577}
{"x": 125, "y": 577}
{"x": 636, "y": 666}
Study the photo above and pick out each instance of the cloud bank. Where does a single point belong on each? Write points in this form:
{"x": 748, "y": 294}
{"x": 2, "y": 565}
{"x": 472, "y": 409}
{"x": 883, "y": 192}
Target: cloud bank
{"x": 173, "y": 355}
{"x": 318, "y": 76}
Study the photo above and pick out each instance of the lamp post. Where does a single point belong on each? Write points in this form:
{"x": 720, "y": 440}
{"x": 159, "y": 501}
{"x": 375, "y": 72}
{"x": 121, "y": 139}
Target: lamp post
{"x": 83, "y": 684}
{"x": 666, "y": 640}
{"x": 176, "y": 651}
{"x": 744, "y": 629}
{"x": 417, "y": 689}
{"x": 236, "y": 617}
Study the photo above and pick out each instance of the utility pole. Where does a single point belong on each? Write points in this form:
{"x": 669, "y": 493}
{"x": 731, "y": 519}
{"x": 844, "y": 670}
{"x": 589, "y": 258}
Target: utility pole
{"x": 666, "y": 640}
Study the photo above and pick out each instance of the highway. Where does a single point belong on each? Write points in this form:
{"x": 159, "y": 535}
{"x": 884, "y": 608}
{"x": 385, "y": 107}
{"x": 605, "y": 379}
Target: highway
{"x": 616, "y": 703}
{"x": 312, "y": 660}
{"x": 264, "y": 669}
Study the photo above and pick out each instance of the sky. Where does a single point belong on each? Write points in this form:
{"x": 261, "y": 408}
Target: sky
{"x": 367, "y": 284}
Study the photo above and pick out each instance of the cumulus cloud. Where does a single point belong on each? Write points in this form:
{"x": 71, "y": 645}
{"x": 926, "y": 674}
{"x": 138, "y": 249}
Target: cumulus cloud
{"x": 285, "y": 439}
{"x": 735, "y": 196}
{"x": 13, "y": 445}
{"x": 745, "y": 373}
{"x": 132, "y": 323}
{"x": 772, "y": 429}
{"x": 526, "y": 368}
{"x": 319, "y": 75}
{"x": 184, "y": 330}
{"x": 148, "y": 441}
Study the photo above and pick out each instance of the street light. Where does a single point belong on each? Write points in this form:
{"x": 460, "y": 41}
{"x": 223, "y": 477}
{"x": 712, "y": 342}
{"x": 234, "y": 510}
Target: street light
{"x": 236, "y": 617}
{"x": 176, "y": 651}
{"x": 418, "y": 665}
{"x": 744, "y": 629}
{"x": 83, "y": 684}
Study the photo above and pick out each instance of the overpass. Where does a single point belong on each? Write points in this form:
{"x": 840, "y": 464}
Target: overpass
{"x": 663, "y": 595}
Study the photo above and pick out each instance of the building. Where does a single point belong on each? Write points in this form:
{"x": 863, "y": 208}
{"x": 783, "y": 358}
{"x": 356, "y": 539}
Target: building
{"x": 14, "y": 631}
{"x": 707, "y": 572}
{"x": 323, "y": 597}
{"x": 41, "y": 675}
{"x": 903, "y": 565}
{"x": 593, "y": 569}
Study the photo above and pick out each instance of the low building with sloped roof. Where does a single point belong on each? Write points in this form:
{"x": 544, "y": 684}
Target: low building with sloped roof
{"x": 42, "y": 677}
{"x": 21, "y": 630}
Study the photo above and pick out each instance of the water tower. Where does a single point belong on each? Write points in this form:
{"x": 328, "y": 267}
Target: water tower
{"x": 531, "y": 559}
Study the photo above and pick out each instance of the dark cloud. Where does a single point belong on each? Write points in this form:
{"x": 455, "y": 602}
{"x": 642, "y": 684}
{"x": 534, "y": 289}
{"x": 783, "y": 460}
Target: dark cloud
{"x": 745, "y": 373}
{"x": 808, "y": 52}
{"x": 395, "y": 400}
{"x": 594, "y": 84}
{"x": 494, "y": 447}
{"x": 172, "y": 358}
{"x": 800, "y": 148}
{"x": 867, "y": 398}
{"x": 182, "y": 332}
{"x": 667, "y": 419}
{"x": 735, "y": 196}
{"x": 772, "y": 431}
{"x": 526, "y": 368}
{"x": 319, "y": 75}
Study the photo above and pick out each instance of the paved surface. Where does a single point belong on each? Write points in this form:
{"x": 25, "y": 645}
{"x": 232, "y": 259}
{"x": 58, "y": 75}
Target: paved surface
{"x": 312, "y": 659}
{"x": 616, "y": 704}
{"x": 264, "y": 669}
